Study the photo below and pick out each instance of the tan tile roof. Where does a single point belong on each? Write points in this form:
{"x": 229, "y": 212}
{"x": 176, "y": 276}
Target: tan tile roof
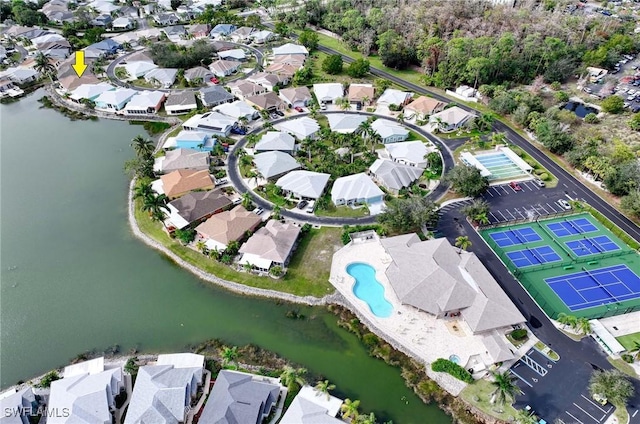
{"x": 266, "y": 100}
{"x": 273, "y": 242}
{"x": 229, "y": 226}
{"x": 425, "y": 105}
{"x": 357, "y": 92}
{"x": 182, "y": 181}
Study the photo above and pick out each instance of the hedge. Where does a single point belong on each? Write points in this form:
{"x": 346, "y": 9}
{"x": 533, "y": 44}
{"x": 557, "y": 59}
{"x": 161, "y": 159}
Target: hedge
{"x": 444, "y": 365}
{"x": 519, "y": 334}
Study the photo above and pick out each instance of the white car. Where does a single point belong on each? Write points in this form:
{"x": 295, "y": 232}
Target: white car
{"x": 632, "y": 91}
{"x": 258, "y": 211}
{"x": 564, "y": 204}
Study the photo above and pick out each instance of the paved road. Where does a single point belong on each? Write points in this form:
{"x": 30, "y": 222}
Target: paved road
{"x": 115, "y": 80}
{"x": 236, "y": 179}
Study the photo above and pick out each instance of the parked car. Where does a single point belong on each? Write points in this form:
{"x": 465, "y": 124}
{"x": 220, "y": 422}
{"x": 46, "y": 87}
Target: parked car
{"x": 258, "y": 211}
{"x": 600, "y": 399}
{"x": 302, "y": 204}
{"x": 359, "y": 106}
{"x": 221, "y": 181}
{"x": 323, "y": 106}
{"x": 237, "y": 201}
{"x": 274, "y": 115}
{"x": 588, "y": 90}
{"x": 299, "y": 109}
{"x": 514, "y": 185}
{"x": 238, "y": 130}
{"x": 539, "y": 182}
{"x": 214, "y": 80}
{"x": 279, "y": 113}
{"x": 564, "y": 204}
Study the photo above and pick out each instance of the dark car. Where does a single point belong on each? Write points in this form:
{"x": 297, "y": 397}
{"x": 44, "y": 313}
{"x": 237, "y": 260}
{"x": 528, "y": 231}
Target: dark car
{"x": 358, "y": 106}
{"x": 238, "y": 130}
{"x": 302, "y": 204}
{"x": 280, "y": 113}
{"x": 274, "y": 115}
{"x": 299, "y": 109}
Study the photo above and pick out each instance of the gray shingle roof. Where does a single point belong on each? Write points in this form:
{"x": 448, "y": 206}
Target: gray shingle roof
{"x": 304, "y": 183}
{"x": 196, "y": 205}
{"x": 273, "y": 242}
{"x": 275, "y": 140}
{"x": 272, "y": 164}
{"x": 185, "y": 159}
{"x": 215, "y": 95}
{"x": 394, "y": 175}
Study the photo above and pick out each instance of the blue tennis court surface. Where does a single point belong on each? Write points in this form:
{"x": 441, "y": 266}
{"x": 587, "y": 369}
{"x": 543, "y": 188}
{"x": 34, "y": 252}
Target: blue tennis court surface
{"x": 597, "y": 287}
{"x": 518, "y": 236}
{"x": 592, "y": 246}
{"x": 571, "y": 227}
{"x": 535, "y": 256}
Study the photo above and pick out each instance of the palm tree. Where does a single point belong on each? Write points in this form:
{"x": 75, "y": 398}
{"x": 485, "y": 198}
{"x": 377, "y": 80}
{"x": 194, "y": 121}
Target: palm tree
{"x": 246, "y": 199}
{"x": 484, "y": 122}
{"x": 505, "y": 387}
{"x": 463, "y": 242}
{"x": 343, "y": 103}
{"x": 365, "y": 129}
{"x": 349, "y": 408}
{"x": 323, "y": 386}
{"x": 43, "y": 66}
{"x": 143, "y": 190}
{"x": 566, "y": 319}
{"x": 155, "y": 205}
{"x": 400, "y": 118}
{"x": 583, "y": 325}
{"x": 367, "y": 419}
{"x": 481, "y": 218}
{"x": 142, "y": 146}
{"x": 526, "y": 417}
{"x": 276, "y": 212}
{"x": 499, "y": 138}
{"x": 201, "y": 245}
{"x": 229, "y": 355}
{"x": 243, "y": 121}
{"x": 292, "y": 377}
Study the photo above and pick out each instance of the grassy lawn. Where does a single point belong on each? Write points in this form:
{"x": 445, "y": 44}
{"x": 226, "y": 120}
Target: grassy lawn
{"x": 343, "y": 211}
{"x": 413, "y": 136}
{"x": 629, "y": 341}
{"x": 479, "y": 395}
{"x": 121, "y": 73}
{"x": 308, "y": 271}
{"x": 321, "y": 76}
{"x": 270, "y": 192}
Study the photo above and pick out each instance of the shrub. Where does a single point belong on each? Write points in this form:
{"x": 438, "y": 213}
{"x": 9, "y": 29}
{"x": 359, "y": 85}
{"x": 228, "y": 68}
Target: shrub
{"x": 544, "y": 176}
{"x": 613, "y": 104}
{"x": 627, "y": 358}
{"x": 519, "y": 334}
{"x": 591, "y": 118}
{"x": 561, "y": 96}
{"x": 555, "y": 86}
{"x": 444, "y": 365}
{"x": 49, "y": 378}
{"x": 370, "y": 340}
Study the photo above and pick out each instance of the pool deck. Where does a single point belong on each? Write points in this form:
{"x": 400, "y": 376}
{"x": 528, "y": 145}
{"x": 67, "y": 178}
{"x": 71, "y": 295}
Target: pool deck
{"x": 415, "y": 332}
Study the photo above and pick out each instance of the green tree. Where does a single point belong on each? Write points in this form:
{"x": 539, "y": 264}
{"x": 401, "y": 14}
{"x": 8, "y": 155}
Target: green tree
{"x": 366, "y": 419}
{"x": 358, "y": 68}
{"x": 566, "y": 319}
{"x": 309, "y": 39}
{"x": 467, "y": 180}
{"x": 201, "y": 245}
{"x": 411, "y": 214}
{"x": 131, "y": 367}
{"x": 332, "y": 64}
{"x": 143, "y": 190}
{"x": 154, "y": 204}
{"x": 477, "y": 211}
{"x": 142, "y": 146}
{"x": 282, "y": 29}
{"x": 613, "y": 104}
{"x": 631, "y": 203}
{"x": 561, "y": 96}
{"x": 186, "y": 235}
{"x": 613, "y": 385}
{"x": 484, "y": 122}
{"x": 349, "y": 409}
{"x": 246, "y": 199}
{"x": 526, "y": 417}
{"x": 50, "y": 377}
{"x": 583, "y": 325}
{"x": 229, "y": 356}
{"x": 634, "y": 122}
{"x": 324, "y": 387}
{"x": 293, "y": 377}
{"x": 44, "y": 66}
{"x": 505, "y": 388}
{"x": 591, "y": 118}
{"x": 381, "y": 84}
{"x": 462, "y": 243}
{"x": 394, "y": 50}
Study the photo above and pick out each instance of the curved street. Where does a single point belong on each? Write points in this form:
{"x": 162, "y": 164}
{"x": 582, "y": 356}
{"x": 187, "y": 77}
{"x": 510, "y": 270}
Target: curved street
{"x": 236, "y": 179}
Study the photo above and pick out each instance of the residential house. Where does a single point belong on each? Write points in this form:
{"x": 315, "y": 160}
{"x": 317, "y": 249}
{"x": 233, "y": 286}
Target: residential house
{"x": 282, "y": 69}
{"x": 61, "y": 16}
{"x": 361, "y": 93}
{"x": 310, "y": 406}
{"x": 389, "y": 131}
{"x": 46, "y": 38}
{"x": 295, "y": 60}
{"x": 214, "y": 96}
{"x": 68, "y": 79}
{"x": 302, "y": 184}
{"x": 7, "y": 88}
{"x": 213, "y": 123}
{"x": 328, "y": 92}
{"x": 272, "y": 165}
{"x": 222, "y": 30}
{"x": 451, "y": 119}
{"x": 104, "y": 7}
{"x": 108, "y": 46}
{"x": 17, "y": 31}
{"x": 164, "y": 392}
{"x": 237, "y": 110}
{"x": 422, "y": 107}
{"x": 21, "y": 76}
{"x": 394, "y": 176}
{"x": 233, "y": 54}
{"x": 89, "y": 91}
{"x": 165, "y": 19}
{"x": 165, "y": 77}
{"x": 261, "y": 37}
{"x": 122, "y": 23}
{"x": 194, "y": 140}
{"x": 271, "y": 245}
{"x": 139, "y": 56}
{"x": 410, "y": 153}
{"x": 196, "y": 207}
{"x": 290, "y": 48}
{"x": 267, "y": 80}
{"x": 145, "y": 103}
{"x": 223, "y": 68}
{"x": 198, "y": 73}
{"x": 56, "y": 49}
{"x": 175, "y": 32}
{"x": 182, "y": 159}
{"x": 182, "y": 181}
{"x": 87, "y": 392}
{"x": 139, "y": 69}
{"x": 129, "y": 12}
{"x": 355, "y": 189}
{"x": 300, "y": 128}
{"x": 239, "y": 397}
{"x": 243, "y": 89}
{"x": 102, "y": 21}
{"x": 391, "y": 96}
{"x": 345, "y": 123}
{"x": 223, "y": 228}
{"x": 18, "y": 406}
{"x": 296, "y": 96}
{"x": 151, "y": 34}
{"x": 199, "y": 30}
{"x": 275, "y": 140}
{"x": 267, "y": 101}
{"x": 114, "y": 100}
{"x": 220, "y": 45}
{"x": 180, "y": 103}
{"x": 241, "y": 35}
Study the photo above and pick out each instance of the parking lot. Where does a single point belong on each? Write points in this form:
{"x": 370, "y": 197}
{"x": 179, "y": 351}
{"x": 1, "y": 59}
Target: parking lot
{"x": 585, "y": 410}
{"x": 531, "y": 369}
{"x": 506, "y": 189}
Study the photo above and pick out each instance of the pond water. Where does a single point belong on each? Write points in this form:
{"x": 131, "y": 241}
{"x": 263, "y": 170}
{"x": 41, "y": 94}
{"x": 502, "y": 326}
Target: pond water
{"x": 580, "y": 109}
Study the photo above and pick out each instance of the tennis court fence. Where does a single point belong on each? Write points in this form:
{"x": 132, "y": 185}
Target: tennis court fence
{"x": 525, "y": 220}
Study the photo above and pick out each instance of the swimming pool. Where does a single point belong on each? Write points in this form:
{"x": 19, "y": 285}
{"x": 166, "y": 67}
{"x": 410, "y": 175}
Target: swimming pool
{"x": 500, "y": 166}
{"x": 368, "y": 289}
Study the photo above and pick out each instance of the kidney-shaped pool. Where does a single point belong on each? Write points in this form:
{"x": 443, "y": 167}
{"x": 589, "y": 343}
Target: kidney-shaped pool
{"x": 369, "y": 289}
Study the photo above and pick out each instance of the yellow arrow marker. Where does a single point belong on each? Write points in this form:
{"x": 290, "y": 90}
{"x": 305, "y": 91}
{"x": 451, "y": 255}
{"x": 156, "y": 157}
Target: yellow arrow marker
{"x": 79, "y": 66}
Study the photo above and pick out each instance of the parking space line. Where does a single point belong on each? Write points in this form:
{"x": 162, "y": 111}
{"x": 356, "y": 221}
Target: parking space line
{"x": 592, "y": 417}
{"x": 517, "y": 375}
{"x": 593, "y": 403}
{"x": 494, "y": 217}
{"x": 552, "y": 208}
{"x": 505, "y": 190}
{"x": 505, "y": 218}
{"x": 512, "y": 216}
{"x": 489, "y": 192}
{"x": 569, "y": 414}
{"x": 634, "y": 414}
{"x": 520, "y": 213}
{"x": 542, "y": 207}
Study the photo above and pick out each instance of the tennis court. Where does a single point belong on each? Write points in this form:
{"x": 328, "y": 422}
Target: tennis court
{"x": 535, "y": 256}
{"x": 512, "y": 237}
{"x": 592, "y": 246}
{"x": 596, "y": 287}
{"x": 571, "y": 227}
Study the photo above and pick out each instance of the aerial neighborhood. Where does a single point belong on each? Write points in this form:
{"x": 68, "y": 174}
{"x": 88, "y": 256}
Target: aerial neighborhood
{"x": 471, "y": 219}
